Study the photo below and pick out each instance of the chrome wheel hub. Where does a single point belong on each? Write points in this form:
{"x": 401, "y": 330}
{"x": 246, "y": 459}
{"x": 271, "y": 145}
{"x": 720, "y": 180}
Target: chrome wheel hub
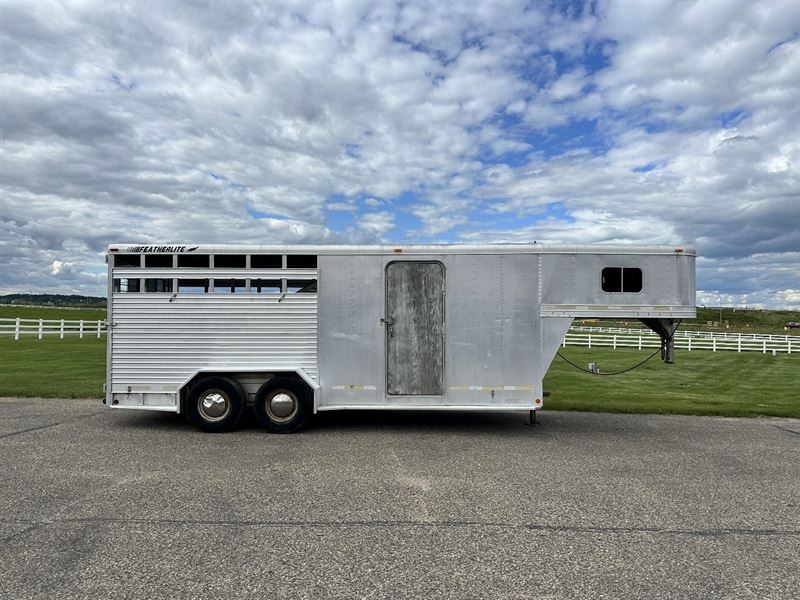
{"x": 214, "y": 405}
{"x": 282, "y": 406}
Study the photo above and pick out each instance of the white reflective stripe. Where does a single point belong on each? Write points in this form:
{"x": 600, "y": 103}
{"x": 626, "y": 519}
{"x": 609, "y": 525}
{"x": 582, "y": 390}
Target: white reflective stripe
{"x": 489, "y": 388}
{"x": 355, "y": 388}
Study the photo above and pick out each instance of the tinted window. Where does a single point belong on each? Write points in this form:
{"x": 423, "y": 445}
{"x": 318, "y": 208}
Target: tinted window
{"x": 301, "y": 261}
{"x": 622, "y": 279}
{"x": 193, "y": 260}
{"x": 631, "y": 280}
{"x": 124, "y": 285}
{"x": 229, "y": 286}
{"x": 229, "y": 261}
{"x": 612, "y": 279}
{"x": 266, "y": 261}
{"x": 265, "y": 286}
{"x": 127, "y": 260}
{"x": 158, "y": 285}
{"x": 158, "y": 260}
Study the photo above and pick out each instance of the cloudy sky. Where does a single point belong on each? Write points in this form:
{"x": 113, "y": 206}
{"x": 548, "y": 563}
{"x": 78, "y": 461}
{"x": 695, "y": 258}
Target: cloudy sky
{"x": 645, "y": 122}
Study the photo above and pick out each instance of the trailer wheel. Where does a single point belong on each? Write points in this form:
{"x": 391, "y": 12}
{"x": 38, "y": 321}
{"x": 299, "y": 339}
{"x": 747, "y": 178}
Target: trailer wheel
{"x": 214, "y": 404}
{"x": 282, "y": 405}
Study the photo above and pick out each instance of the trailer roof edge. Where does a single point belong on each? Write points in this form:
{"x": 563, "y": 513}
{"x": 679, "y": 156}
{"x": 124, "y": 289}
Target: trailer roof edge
{"x": 399, "y": 249}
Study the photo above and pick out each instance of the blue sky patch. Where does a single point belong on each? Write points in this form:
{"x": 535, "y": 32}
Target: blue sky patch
{"x": 733, "y": 117}
{"x": 577, "y": 134}
{"x": 646, "y": 168}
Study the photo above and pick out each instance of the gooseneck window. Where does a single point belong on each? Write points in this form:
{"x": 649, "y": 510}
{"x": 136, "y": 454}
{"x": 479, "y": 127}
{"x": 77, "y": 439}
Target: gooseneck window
{"x": 626, "y": 280}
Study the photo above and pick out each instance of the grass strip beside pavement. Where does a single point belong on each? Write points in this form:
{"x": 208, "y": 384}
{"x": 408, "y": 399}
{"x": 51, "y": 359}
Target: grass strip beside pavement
{"x": 699, "y": 383}
{"x": 52, "y": 367}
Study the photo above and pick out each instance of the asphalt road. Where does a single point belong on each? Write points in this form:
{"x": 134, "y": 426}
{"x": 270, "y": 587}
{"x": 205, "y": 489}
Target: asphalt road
{"x": 97, "y": 503}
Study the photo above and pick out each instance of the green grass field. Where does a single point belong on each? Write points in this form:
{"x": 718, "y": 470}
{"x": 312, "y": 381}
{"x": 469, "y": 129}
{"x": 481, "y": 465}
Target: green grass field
{"x": 52, "y": 367}
{"x": 701, "y": 383}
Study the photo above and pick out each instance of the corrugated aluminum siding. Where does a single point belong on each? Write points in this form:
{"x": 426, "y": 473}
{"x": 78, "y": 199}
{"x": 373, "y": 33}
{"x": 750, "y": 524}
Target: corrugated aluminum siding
{"x": 157, "y": 345}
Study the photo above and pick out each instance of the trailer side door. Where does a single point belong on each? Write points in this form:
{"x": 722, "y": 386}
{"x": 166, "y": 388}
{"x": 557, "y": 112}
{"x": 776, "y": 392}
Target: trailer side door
{"x": 414, "y": 328}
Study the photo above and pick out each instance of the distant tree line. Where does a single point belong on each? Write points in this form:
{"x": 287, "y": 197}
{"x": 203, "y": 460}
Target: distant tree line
{"x": 53, "y": 300}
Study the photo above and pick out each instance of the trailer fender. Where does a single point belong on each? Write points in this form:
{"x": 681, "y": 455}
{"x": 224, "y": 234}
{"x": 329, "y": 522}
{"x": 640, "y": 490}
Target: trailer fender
{"x": 299, "y": 371}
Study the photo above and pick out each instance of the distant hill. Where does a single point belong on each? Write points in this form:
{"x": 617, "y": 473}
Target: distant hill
{"x": 54, "y": 300}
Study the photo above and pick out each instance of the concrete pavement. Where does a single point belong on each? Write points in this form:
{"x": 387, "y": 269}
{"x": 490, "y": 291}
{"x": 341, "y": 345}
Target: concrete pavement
{"x": 99, "y": 503}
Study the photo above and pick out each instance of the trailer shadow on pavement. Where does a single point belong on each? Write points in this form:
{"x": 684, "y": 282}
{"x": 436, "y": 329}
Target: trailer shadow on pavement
{"x": 354, "y": 421}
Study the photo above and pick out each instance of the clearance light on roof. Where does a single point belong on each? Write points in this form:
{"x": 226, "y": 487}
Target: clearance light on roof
{"x": 678, "y": 250}
{"x": 398, "y": 250}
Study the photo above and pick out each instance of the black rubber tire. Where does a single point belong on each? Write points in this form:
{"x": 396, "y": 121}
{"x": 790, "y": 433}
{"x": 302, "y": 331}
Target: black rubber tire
{"x": 292, "y": 387}
{"x": 225, "y": 386}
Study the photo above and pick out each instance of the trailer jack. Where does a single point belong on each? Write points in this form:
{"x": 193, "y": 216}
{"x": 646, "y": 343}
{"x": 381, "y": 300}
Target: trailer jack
{"x": 666, "y": 329}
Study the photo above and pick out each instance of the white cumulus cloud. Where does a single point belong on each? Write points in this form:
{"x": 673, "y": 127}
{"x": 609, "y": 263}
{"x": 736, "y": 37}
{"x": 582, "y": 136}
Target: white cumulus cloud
{"x": 654, "y": 122}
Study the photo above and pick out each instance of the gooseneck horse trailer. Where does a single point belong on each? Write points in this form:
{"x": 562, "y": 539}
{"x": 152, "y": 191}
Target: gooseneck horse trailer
{"x": 291, "y": 330}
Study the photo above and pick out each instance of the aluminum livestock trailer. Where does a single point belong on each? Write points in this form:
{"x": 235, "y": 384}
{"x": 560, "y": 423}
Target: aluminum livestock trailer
{"x": 292, "y": 330}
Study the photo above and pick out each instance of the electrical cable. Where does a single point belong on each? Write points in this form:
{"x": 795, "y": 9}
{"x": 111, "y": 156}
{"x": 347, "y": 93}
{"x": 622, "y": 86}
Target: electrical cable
{"x": 669, "y": 339}
{"x": 615, "y": 372}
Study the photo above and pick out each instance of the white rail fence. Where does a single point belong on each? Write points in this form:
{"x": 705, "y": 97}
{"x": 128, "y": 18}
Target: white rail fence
{"x": 59, "y": 327}
{"x": 614, "y": 337}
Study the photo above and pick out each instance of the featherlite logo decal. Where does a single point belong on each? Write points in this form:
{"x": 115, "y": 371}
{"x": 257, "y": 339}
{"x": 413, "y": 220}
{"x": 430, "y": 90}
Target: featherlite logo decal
{"x": 161, "y": 249}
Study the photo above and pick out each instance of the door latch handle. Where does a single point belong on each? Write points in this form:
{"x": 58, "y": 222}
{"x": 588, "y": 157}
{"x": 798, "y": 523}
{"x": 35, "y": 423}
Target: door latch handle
{"x": 389, "y": 322}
